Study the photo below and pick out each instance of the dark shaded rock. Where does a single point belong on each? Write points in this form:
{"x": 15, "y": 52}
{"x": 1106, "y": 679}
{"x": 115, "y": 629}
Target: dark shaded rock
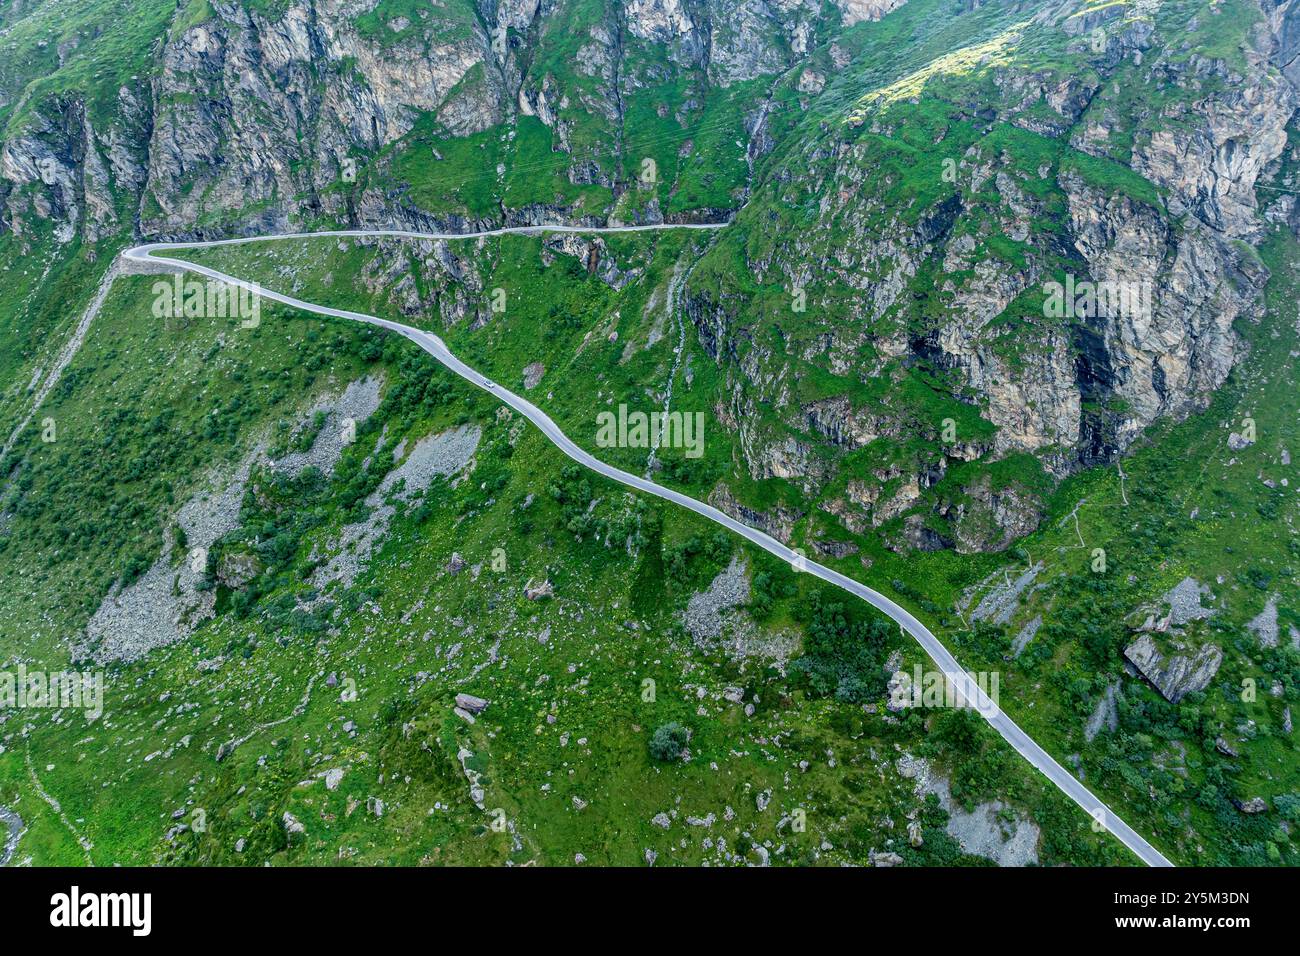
{"x": 1175, "y": 675}
{"x": 835, "y": 549}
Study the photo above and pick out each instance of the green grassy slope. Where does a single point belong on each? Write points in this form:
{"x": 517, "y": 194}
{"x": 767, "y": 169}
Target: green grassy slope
{"x": 612, "y": 625}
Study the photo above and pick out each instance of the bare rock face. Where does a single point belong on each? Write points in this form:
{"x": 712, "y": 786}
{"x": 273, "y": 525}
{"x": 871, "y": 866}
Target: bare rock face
{"x": 1166, "y": 358}
{"x": 1223, "y": 142}
{"x": 1174, "y": 675}
{"x": 918, "y": 535}
{"x": 1179, "y": 606}
{"x": 257, "y": 115}
{"x": 255, "y": 118}
{"x": 985, "y": 519}
{"x": 1071, "y": 393}
{"x": 835, "y": 549}
{"x": 54, "y": 170}
{"x": 206, "y": 150}
{"x": 664, "y": 21}
{"x": 1264, "y": 625}
{"x": 779, "y": 522}
{"x": 837, "y": 420}
{"x": 856, "y": 11}
{"x": 1284, "y": 36}
{"x": 247, "y": 110}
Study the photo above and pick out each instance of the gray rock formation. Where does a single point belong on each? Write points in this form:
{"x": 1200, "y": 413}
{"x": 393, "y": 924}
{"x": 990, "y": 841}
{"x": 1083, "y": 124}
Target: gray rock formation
{"x": 1002, "y": 601}
{"x": 779, "y": 522}
{"x": 1175, "y": 675}
{"x": 258, "y": 113}
{"x": 1025, "y": 635}
{"x": 1264, "y": 625}
{"x": 265, "y": 117}
{"x": 991, "y": 830}
{"x": 444, "y": 454}
{"x": 538, "y": 591}
{"x": 704, "y": 617}
{"x": 13, "y": 824}
{"x": 1106, "y": 714}
{"x": 470, "y": 703}
{"x": 1178, "y": 607}
{"x": 1070, "y": 393}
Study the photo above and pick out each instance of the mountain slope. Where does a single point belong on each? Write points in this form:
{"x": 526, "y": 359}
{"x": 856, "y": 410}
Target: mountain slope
{"x": 890, "y": 371}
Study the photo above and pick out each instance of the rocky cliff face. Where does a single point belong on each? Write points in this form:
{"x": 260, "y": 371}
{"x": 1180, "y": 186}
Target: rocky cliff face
{"x": 918, "y": 201}
{"x": 940, "y": 256}
{"x": 257, "y": 119}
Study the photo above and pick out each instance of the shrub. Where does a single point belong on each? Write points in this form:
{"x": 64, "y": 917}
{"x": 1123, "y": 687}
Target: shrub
{"x": 843, "y": 655}
{"x": 668, "y": 742}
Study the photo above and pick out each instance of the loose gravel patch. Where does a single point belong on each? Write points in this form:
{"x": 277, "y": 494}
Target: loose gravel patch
{"x": 1106, "y": 714}
{"x": 1264, "y": 625}
{"x": 14, "y": 824}
{"x": 533, "y": 374}
{"x": 1002, "y": 602}
{"x": 703, "y": 616}
{"x": 991, "y": 830}
{"x": 166, "y": 603}
{"x": 434, "y": 456}
{"x": 1026, "y": 635}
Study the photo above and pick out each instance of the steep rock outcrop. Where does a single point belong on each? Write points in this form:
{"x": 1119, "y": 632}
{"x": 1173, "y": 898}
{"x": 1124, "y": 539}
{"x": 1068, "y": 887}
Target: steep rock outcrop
{"x": 898, "y": 275}
{"x": 1175, "y": 675}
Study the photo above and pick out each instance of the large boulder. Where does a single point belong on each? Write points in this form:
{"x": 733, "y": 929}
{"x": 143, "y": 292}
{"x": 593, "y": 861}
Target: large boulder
{"x": 1174, "y": 675}
{"x": 470, "y": 703}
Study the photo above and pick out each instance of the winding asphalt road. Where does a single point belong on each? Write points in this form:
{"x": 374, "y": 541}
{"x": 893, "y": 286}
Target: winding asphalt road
{"x": 964, "y": 684}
